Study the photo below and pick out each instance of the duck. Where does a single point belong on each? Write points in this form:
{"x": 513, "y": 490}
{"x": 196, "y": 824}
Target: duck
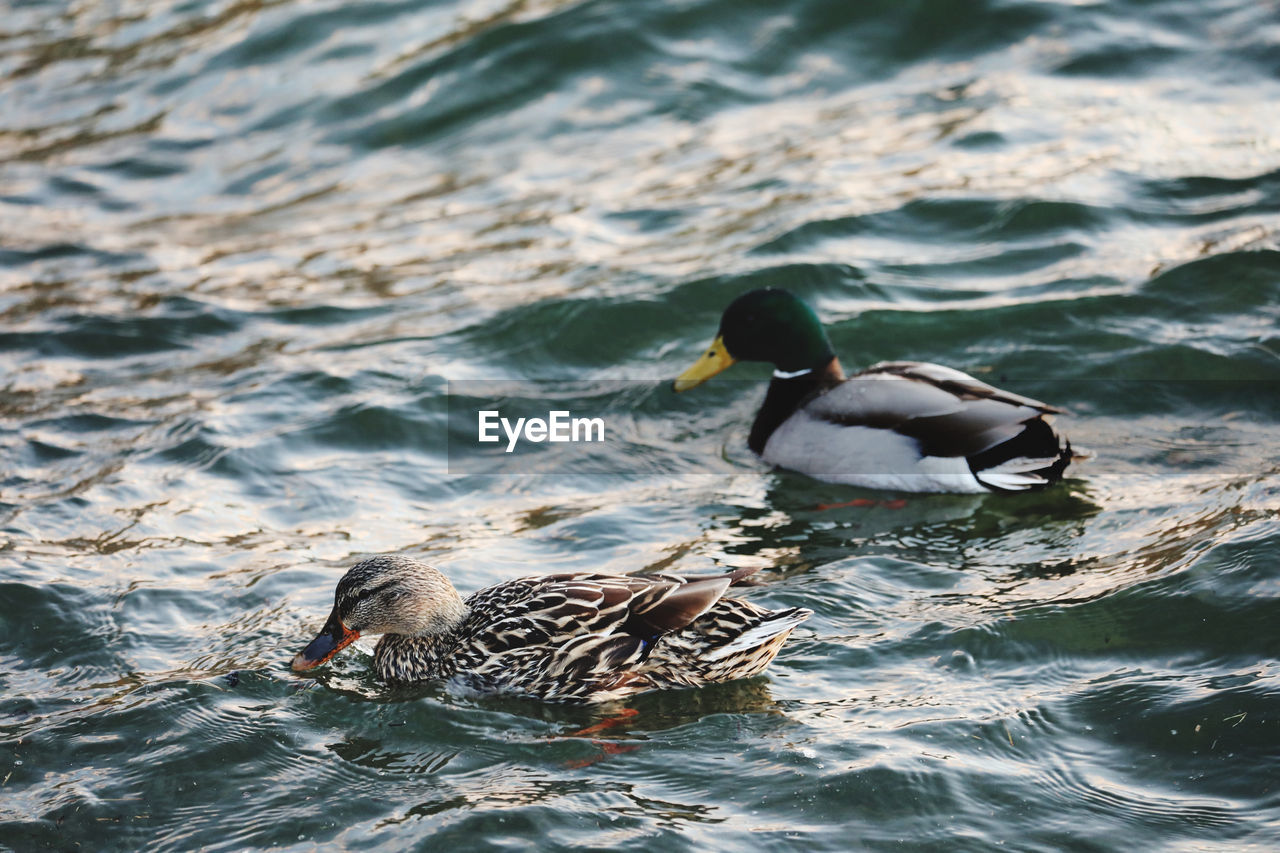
{"x": 577, "y": 637}
{"x": 898, "y": 425}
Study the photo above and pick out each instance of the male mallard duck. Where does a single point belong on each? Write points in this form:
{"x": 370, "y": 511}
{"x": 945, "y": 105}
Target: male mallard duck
{"x": 577, "y": 637}
{"x": 904, "y": 425}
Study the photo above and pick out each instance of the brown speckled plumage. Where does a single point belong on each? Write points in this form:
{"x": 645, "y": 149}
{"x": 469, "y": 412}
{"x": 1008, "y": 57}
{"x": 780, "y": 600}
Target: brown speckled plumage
{"x": 578, "y": 637}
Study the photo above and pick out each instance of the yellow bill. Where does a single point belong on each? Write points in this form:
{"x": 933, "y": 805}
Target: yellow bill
{"x": 713, "y": 361}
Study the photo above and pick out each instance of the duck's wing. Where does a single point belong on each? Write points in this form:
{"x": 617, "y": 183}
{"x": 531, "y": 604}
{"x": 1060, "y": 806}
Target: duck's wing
{"x": 579, "y": 635}
{"x": 954, "y": 382}
{"x": 949, "y": 413}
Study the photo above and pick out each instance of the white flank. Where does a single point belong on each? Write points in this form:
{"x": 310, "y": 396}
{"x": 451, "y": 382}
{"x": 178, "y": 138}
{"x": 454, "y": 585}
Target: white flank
{"x": 864, "y": 456}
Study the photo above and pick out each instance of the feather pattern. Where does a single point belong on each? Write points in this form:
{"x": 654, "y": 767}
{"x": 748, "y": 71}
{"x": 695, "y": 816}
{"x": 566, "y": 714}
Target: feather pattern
{"x": 575, "y": 637}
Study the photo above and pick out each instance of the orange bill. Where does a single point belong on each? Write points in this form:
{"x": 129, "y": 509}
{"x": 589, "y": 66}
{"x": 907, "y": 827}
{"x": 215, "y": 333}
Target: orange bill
{"x": 333, "y": 638}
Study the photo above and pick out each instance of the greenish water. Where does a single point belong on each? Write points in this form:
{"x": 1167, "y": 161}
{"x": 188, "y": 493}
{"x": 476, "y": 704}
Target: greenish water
{"x": 247, "y": 248}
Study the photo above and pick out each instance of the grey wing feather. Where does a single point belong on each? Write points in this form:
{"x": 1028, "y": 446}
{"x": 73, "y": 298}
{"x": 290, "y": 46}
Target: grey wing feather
{"x": 955, "y": 382}
{"x": 948, "y": 412}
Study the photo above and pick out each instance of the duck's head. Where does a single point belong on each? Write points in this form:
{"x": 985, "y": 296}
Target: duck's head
{"x": 767, "y": 325}
{"x": 384, "y": 595}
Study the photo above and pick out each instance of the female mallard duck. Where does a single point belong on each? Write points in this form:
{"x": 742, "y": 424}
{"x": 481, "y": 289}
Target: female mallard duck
{"x": 576, "y": 637}
{"x": 903, "y": 425}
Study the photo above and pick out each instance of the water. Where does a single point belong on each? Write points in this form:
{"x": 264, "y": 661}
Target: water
{"x": 246, "y": 249}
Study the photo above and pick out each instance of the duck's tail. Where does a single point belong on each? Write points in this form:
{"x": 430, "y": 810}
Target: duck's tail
{"x": 735, "y": 639}
{"x": 770, "y": 632}
{"x": 1034, "y": 458}
{"x": 754, "y": 647}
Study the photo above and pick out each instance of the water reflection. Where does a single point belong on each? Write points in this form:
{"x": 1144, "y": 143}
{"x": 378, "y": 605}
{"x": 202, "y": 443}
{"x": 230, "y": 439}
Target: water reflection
{"x": 246, "y": 246}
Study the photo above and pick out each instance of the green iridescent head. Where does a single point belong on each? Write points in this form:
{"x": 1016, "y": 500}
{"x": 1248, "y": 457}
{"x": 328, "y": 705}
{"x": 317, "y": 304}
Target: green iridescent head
{"x": 767, "y": 325}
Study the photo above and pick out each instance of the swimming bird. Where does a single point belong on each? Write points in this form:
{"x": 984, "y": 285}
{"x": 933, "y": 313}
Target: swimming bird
{"x": 574, "y": 637}
{"x": 904, "y": 425}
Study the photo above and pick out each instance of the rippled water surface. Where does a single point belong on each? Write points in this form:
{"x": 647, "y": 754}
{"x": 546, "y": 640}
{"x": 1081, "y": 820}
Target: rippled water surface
{"x": 247, "y": 248}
